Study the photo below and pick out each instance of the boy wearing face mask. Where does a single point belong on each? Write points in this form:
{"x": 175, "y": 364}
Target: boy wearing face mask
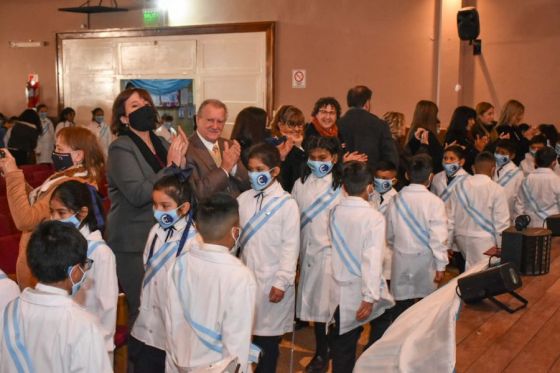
{"x": 527, "y": 165}
{"x": 384, "y": 182}
{"x": 211, "y": 295}
{"x": 453, "y": 172}
{"x": 507, "y": 174}
{"x": 44, "y": 329}
{"x": 477, "y": 212}
{"x": 269, "y": 246}
{"x": 168, "y": 238}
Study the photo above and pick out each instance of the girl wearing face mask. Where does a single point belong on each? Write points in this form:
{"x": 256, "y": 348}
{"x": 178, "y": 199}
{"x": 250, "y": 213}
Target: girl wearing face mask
{"x": 100, "y": 129}
{"x": 137, "y": 159}
{"x": 78, "y": 204}
{"x": 316, "y": 193}
{"x": 453, "y": 172}
{"x": 269, "y": 246}
{"x": 66, "y": 119}
{"x": 77, "y": 156}
{"x": 168, "y": 238}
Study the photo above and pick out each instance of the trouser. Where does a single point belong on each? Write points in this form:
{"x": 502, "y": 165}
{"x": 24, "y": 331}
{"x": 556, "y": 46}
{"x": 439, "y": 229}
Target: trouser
{"x": 130, "y": 272}
{"x": 270, "y": 349}
{"x": 379, "y": 325}
{"x": 401, "y": 306}
{"x": 145, "y": 358}
{"x": 343, "y": 346}
{"x": 321, "y": 341}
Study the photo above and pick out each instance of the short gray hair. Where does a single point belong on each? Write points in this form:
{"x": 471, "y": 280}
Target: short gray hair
{"x": 212, "y": 102}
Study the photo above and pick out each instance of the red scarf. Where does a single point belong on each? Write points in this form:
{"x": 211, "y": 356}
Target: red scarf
{"x": 325, "y": 132}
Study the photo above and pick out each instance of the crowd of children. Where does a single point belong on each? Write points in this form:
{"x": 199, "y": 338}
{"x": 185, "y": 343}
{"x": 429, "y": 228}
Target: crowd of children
{"x": 220, "y": 274}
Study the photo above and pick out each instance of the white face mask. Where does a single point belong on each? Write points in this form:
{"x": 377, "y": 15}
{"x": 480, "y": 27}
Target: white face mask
{"x": 236, "y": 239}
{"x": 76, "y": 286}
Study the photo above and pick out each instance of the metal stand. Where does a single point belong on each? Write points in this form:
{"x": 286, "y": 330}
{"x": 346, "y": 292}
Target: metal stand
{"x": 505, "y": 307}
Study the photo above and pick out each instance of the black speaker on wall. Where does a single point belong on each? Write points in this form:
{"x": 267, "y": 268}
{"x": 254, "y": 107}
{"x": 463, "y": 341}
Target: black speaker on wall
{"x": 468, "y": 23}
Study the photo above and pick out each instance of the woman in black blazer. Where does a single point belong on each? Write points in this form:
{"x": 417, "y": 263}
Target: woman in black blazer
{"x": 422, "y": 137}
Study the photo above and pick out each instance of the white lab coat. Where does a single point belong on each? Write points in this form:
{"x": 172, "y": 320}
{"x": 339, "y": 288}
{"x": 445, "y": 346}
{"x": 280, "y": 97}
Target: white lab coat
{"x": 439, "y": 183}
{"x": 100, "y": 292}
{"x": 59, "y": 335}
{"x": 511, "y": 185}
{"x": 484, "y": 197}
{"x": 214, "y": 289}
{"x": 272, "y": 254}
{"x": 8, "y": 290}
{"x": 381, "y": 206}
{"x": 527, "y": 165}
{"x": 414, "y": 262}
{"x": 62, "y": 125}
{"x": 103, "y": 133}
{"x": 149, "y": 326}
{"x": 539, "y": 196}
{"x": 45, "y": 142}
{"x": 315, "y": 255}
{"x": 358, "y": 278}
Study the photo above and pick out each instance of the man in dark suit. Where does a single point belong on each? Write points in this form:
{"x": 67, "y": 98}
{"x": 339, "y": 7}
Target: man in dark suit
{"x": 215, "y": 161}
{"x": 364, "y": 132}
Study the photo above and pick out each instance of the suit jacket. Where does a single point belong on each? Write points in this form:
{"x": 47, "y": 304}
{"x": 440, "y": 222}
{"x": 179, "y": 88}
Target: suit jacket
{"x": 207, "y": 178}
{"x": 364, "y": 132}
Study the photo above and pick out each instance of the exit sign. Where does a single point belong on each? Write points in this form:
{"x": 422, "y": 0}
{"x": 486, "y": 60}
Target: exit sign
{"x": 152, "y": 17}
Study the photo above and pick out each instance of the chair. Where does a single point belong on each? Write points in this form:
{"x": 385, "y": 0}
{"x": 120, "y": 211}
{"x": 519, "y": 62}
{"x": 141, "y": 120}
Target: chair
{"x": 9, "y": 249}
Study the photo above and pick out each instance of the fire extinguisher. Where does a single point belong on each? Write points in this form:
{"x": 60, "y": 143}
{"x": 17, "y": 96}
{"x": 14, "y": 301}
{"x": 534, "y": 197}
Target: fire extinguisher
{"x": 32, "y": 92}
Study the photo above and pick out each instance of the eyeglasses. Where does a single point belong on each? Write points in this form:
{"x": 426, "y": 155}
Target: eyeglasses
{"x": 326, "y": 112}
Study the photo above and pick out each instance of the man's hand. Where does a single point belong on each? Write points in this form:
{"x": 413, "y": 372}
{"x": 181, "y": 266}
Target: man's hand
{"x": 276, "y": 295}
{"x": 481, "y": 142}
{"x": 230, "y": 155}
{"x": 364, "y": 311}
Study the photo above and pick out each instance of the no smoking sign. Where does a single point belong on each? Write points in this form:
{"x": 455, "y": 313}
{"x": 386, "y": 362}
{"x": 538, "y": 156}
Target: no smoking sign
{"x": 299, "y": 77}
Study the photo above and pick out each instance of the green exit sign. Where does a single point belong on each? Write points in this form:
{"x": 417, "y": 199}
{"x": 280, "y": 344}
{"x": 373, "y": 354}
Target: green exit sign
{"x": 152, "y": 17}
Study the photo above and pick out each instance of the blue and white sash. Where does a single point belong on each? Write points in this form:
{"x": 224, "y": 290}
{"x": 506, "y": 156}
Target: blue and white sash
{"x": 504, "y": 180}
{"x": 208, "y": 337}
{"x": 92, "y": 246}
{"x": 260, "y": 218}
{"x": 447, "y": 191}
{"x": 342, "y": 248}
{"x": 320, "y": 204}
{"x": 541, "y": 212}
{"x": 14, "y": 338}
{"x": 475, "y": 214}
{"x": 419, "y": 231}
{"x": 103, "y": 130}
{"x": 159, "y": 260}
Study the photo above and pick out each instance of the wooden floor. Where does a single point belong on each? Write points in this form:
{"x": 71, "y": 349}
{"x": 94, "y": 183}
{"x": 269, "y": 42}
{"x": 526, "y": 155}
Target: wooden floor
{"x": 492, "y": 340}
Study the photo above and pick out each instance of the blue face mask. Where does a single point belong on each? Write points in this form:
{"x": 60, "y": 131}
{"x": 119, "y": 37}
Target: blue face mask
{"x": 43, "y": 115}
{"x": 382, "y": 186}
{"x": 72, "y": 220}
{"x": 451, "y": 168}
{"x": 99, "y": 119}
{"x": 260, "y": 180}
{"x": 76, "y": 286}
{"x": 167, "y": 219}
{"x": 501, "y": 159}
{"x": 319, "y": 168}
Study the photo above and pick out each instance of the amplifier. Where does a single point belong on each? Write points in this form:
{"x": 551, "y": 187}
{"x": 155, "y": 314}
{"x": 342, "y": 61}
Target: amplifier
{"x": 528, "y": 250}
{"x": 553, "y": 223}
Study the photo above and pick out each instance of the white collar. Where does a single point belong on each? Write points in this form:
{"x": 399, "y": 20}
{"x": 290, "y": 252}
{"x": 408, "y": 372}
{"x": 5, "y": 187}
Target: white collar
{"x": 354, "y": 201}
{"x": 207, "y": 144}
{"x": 214, "y": 248}
{"x": 416, "y": 187}
{"x": 544, "y": 170}
{"x": 274, "y": 189}
{"x": 50, "y": 289}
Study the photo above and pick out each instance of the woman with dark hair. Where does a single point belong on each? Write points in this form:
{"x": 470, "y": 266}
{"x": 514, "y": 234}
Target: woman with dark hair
{"x": 24, "y": 135}
{"x": 423, "y": 134}
{"x": 66, "y": 119}
{"x": 137, "y": 159}
{"x": 250, "y": 127}
{"x": 459, "y": 133}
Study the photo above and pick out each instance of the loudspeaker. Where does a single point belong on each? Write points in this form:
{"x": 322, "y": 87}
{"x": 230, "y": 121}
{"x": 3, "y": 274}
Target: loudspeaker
{"x": 527, "y": 250}
{"x": 468, "y": 23}
{"x": 553, "y": 223}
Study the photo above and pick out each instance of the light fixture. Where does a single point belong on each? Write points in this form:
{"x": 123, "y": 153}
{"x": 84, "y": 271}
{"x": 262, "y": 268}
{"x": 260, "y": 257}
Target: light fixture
{"x": 86, "y": 8}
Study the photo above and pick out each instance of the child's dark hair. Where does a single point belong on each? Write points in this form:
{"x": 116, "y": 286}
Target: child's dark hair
{"x": 357, "y": 176}
{"x": 538, "y": 139}
{"x": 385, "y": 166}
{"x": 545, "y": 157}
{"x": 330, "y": 144}
{"x": 267, "y": 153}
{"x": 177, "y": 187}
{"x": 54, "y": 246}
{"x": 507, "y": 145}
{"x": 484, "y": 157}
{"x": 550, "y": 132}
{"x": 421, "y": 166}
{"x": 457, "y": 150}
{"x": 74, "y": 195}
{"x": 216, "y": 216}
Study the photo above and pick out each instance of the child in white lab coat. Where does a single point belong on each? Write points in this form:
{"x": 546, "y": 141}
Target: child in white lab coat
{"x": 384, "y": 183}
{"x": 78, "y": 204}
{"x": 9, "y": 290}
{"x": 269, "y": 247}
{"x": 507, "y": 174}
{"x": 527, "y": 165}
{"x": 453, "y": 172}
{"x": 540, "y": 191}
{"x": 359, "y": 292}
{"x": 417, "y": 234}
{"x": 44, "y": 330}
{"x": 477, "y": 212}
{"x": 100, "y": 129}
{"x": 167, "y": 239}
{"x": 45, "y": 142}
{"x": 316, "y": 193}
{"x": 211, "y": 303}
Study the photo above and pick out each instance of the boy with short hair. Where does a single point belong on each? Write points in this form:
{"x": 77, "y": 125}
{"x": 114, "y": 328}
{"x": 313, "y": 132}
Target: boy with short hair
{"x": 211, "y": 300}
{"x": 478, "y": 212}
{"x": 539, "y": 196}
{"x": 507, "y": 174}
{"x": 417, "y": 234}
{"x": 44, "y": 329}
{"x": 453, "y": 172}
{"x": 527, "y": 165}
{"x": 384, "y": 183}
{"x": 359, "y": 291}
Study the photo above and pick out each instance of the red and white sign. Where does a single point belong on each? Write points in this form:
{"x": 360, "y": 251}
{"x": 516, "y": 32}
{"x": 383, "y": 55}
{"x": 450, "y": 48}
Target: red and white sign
{"x": 299, "y": 78}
